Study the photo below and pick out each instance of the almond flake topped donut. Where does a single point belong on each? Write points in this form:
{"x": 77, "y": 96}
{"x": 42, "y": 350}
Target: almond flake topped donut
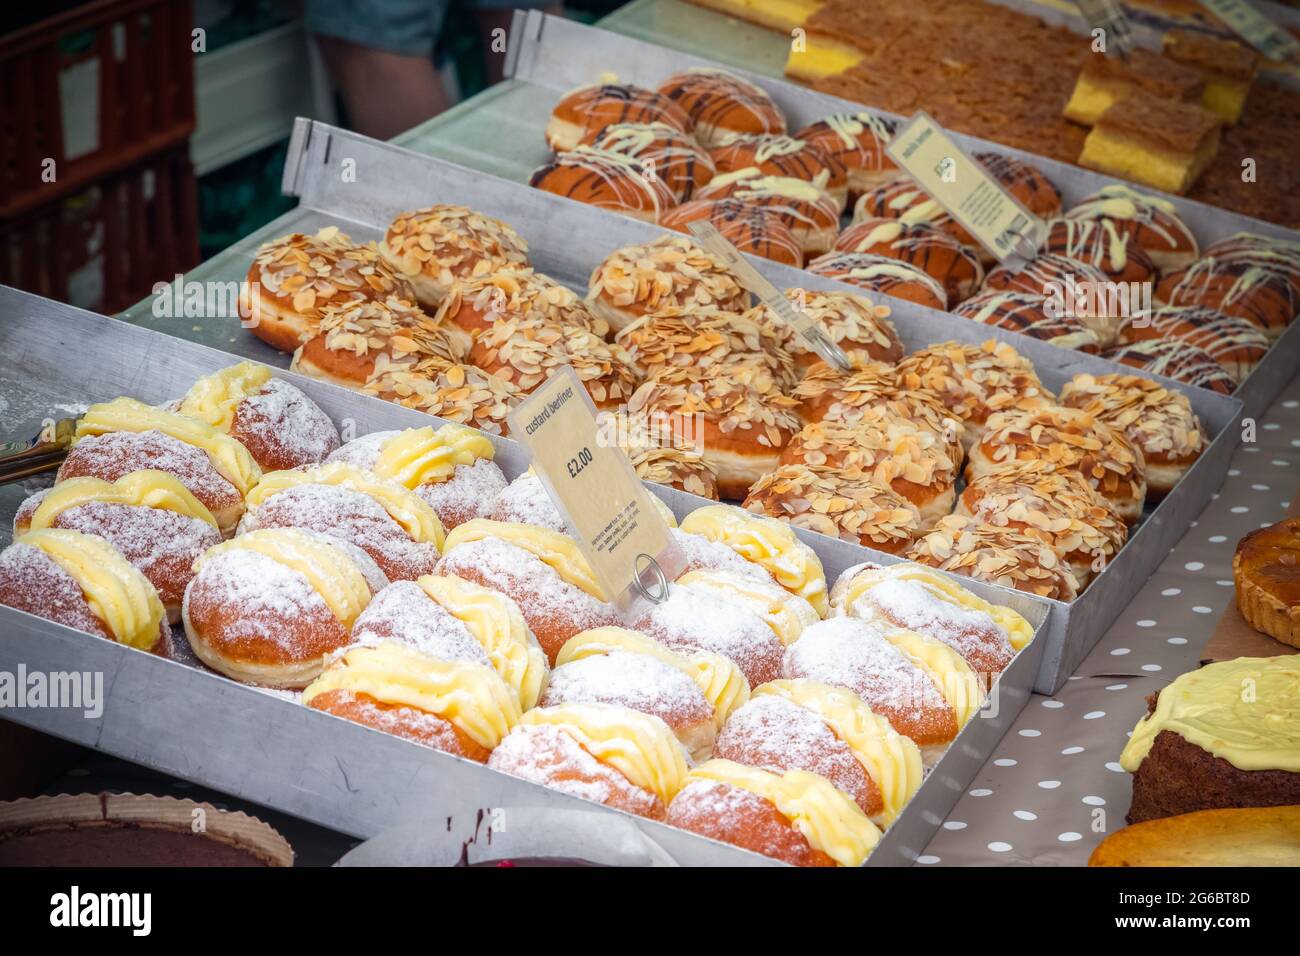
{"x": 703, "y": 338}
{"x": 1066, "y": 438}
{"x": 459, "y": 393}
{"x": 1159, "y": 421}
{"x": 721, "y": 104}
{"x": 680, "y": 468}
{"x": 297, "y": 276}
{"x": 999, "y": 555}
{"x": 525, "y": 351}
{"x": 850, "y": 507}
{"x": 670, "y": 271}
{"x": 826, "y": 393}
{"x": 974, "y": 381}
{"x": 435, "y": 246}
{"x": 853, "y": 322}
{"x": 476, "y": 303}
{"x": 1057, "y": 506}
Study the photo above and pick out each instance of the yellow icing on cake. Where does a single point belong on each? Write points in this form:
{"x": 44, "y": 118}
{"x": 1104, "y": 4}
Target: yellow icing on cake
{"x": 718, "y": 677}
{"x": 827, "y": 818}
{"x": 785, "y": 613}
{"x": 118, "y": 594}
{"x": 213, "y": 398}
{"x": 497, "y": 624}
{"x": 1246, "y": 711}
{"x": 143, "y": 489}
{"x": 1019, "y": 631}
{"x": 557, "y": 550}
{"x": 422, "y": 456}
{"x": 329, "y": 569}
{"x": 892, "y": 760}
{"x": 960, "y": 685}
{"x": 769, "y": 543}
{"x": 413, "y": 513}
{"x": 128, "y": 415}
{"x": 470, "y": 696}
{"x": 639, "y": 746}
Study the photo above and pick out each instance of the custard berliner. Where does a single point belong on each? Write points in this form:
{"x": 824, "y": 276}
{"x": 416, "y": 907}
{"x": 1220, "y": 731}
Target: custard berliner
{"x": 464, "y": 394}
{"x": 363, "y": 340}
{"x": 526, "y": 501}
{"x": 453, "y": 619}
{"x": 848, "y": 506}
{"x": 1152, "y": 223}
{"x": 476, "y": 303}
{"x": 962, "y": 545}
{"x": 693, "y": 693}
{"x": 810, "y": 212}
{"x": 1099, "y": 244}
{"x": 1175, "y": 359}
{"x": 1072, "y": 287}
{"x": 526, "y": 351}
{"x": 297, "y": 276}
{"x": 974, "y": 381}
{"x": 124, "y": 435}
{"x": 270, "y": 606}
{"x": 693, "y": 618}
{"x": 670, "y": 271}
{"x": 703, "y": 554}
{"x": 675, "y": 157}
{"x": 1158, "y": 420}
{"x": 882, "y": 274}
{"x": 708, "y": 340}
{"x": 807, "y": 725}
{"x": 450, "y": 467}
{"x": 769, "y": 543}
{"x": 395, "y": 526}
{"x": 781, "y": 155}
{"x": 861, "y": 328}
{"x": 921, "y": 246}
{"x": 612, "y": 755}
{"x": 606, "y": 180}
{"x": 1067, "y": 438}
{"x": 752, "y": 229}
{"x": 1031, "y": 314}
{"x": 1254, "y": 286}
{"x": 796, "y": 817}
{"x": 454, "y": 706}
{"x": 744, "y": 419}
{"x": 590, "y": 108}
{"x": 923, "y": 687}
{"x": 433, "y": 247}
{"x": 1235, "y": 343}
{"x": 1057, "y": 506}
{"x": 722, "y": 105}
{"x": 541, "y": 570}
{"x": 889, "y": 450}
{"x": 81, "y": 581}
{"x": 913, "y": 598}
{"x": 857, "y": 141}
{"x": 787, "y": 614}
{"x": 149, "y": 517}
{"x": 279, "y": 425}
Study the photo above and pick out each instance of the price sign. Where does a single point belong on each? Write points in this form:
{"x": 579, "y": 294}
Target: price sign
{"x": 1255, "y": 28}
{"x": 1109, "y": 16}
{"x": 807, "y": 328}
{"x": 595, "y": 488}
{"x": 964, "y": 188}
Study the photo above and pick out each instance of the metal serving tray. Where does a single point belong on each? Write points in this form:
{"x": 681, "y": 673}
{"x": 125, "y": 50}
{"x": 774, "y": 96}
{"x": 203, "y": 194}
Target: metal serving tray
{"x": 260, "y": 746}
{"x": 501, "y": 131}
{"x": 567, "y": 240}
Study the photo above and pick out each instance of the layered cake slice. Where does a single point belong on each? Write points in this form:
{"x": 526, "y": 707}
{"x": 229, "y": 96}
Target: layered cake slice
{"x": 1228, "y": 68}
{"x": 1104, "y": 80}
{"x": 1165, "y": 144}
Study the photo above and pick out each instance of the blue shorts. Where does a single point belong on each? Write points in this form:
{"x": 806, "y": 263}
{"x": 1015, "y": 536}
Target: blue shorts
{"x": 409, "y": 27}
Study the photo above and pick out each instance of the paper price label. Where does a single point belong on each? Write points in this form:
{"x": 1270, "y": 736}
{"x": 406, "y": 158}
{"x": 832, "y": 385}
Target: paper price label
{"x": 962, "y": 187}
{"x": 802, "y": 324}
{"x": 1109, "y": 16}
{"x": 594, "y": 486}
{"x": 1256, "y": 29}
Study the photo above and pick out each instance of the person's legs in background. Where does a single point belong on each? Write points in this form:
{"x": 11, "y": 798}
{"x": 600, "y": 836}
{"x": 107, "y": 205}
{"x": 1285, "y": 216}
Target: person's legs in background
{"x": 379, "y": 54}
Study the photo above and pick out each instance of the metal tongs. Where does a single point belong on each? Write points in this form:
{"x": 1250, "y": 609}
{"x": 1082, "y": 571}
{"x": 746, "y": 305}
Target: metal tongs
{"x": 34, "y": 456}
